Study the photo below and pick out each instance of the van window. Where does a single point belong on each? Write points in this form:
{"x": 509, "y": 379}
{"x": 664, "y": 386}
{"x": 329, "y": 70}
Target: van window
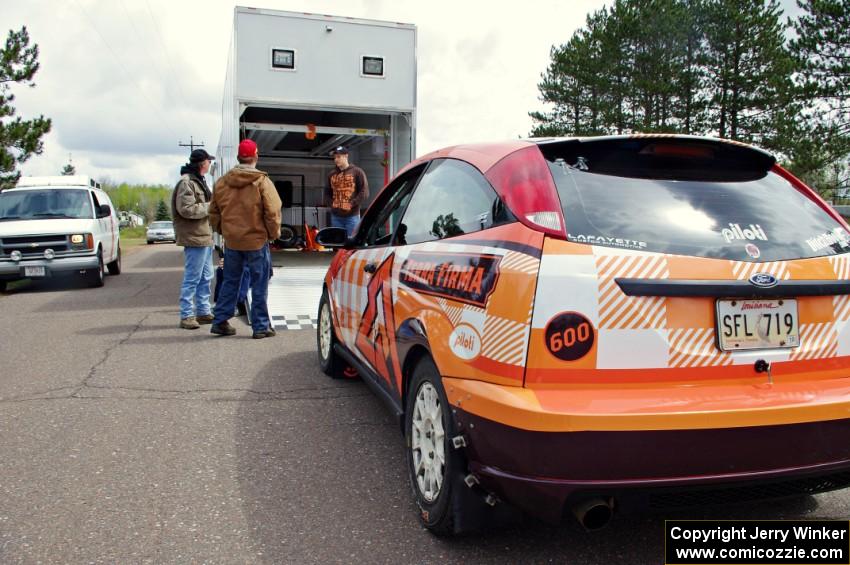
{"x": 41, "y": 204}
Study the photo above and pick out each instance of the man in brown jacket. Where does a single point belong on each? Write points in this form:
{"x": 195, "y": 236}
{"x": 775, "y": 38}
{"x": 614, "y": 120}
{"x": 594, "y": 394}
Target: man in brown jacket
{"x": 189, "y": 204}
{"x": 245, "y": 209}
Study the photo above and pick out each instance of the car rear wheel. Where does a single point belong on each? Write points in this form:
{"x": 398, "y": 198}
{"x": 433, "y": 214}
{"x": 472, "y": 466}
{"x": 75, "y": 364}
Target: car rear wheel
{"x": 329, "y": 361}
{"x": 95, "y": 276}
{"x": 115, "y": 266}
{"x": 435, "y": 469}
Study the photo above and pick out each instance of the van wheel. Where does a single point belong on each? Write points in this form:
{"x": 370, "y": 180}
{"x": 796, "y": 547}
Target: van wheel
{"x": 95, "y": 276}
{"x": 435, "y": 469}
{"x": 2, "y": 286}
{"x": 115, "y": 266}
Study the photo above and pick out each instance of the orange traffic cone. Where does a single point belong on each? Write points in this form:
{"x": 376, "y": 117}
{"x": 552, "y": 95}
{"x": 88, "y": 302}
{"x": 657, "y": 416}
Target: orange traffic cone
{"x": 311, "y": 244}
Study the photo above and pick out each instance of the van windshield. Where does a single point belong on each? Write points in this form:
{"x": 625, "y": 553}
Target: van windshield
{"x": 764, "y": 219}
{"x": 43, "y": 204}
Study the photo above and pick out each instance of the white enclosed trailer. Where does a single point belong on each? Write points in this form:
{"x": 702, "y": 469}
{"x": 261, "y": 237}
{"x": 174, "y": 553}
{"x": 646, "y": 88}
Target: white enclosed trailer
{"x": 301, "y": 84}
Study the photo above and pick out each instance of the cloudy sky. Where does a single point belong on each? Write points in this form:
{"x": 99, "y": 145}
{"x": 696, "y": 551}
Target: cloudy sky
{"x": 125, "y": 81}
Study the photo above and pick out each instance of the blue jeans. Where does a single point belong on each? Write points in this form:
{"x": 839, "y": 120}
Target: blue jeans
{"x": 259, "y": 264}
{"x": 197, "y": 276}
{"x": 349, "y": 223}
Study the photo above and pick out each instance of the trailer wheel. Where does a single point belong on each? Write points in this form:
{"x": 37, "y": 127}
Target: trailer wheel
{"x": 288, "y": 236}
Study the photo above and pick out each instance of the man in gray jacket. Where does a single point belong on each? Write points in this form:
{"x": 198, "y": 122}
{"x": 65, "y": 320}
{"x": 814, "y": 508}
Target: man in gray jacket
{"x": 190, "y": 210}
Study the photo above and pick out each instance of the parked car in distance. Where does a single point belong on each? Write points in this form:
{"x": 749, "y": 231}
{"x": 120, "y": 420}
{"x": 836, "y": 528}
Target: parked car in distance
{"x": 574, "y": 326}
{"x": 160, "y": 231}
{"x": 64, "y": 225}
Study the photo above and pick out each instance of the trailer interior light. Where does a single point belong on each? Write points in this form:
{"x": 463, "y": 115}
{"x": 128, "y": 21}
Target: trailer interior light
{"x": 373, "y": 66}
{"x": 283, "y": 59}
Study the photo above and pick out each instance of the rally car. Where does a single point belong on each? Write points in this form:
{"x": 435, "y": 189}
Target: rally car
{"x": 588, "y": 324}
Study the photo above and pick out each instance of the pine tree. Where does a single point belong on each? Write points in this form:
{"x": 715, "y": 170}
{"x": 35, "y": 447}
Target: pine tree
{"x": 162, "y": 212}
{"x": 69, "y": 169}
{"x": 822, "y": 50}
{"x": 19, "y": 139}
{"x": 748, "y": 71}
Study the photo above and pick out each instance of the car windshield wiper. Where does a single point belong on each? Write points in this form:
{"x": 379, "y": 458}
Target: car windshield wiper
{"x": 51, "y": 215}
{"x": 3, "y": 219}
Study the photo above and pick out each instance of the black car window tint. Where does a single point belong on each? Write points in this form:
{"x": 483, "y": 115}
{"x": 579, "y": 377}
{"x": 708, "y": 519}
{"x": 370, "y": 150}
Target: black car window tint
{"x": 383, "y": 217}
{"x": 763, "y": 219}
{"x": 453, "y": 198}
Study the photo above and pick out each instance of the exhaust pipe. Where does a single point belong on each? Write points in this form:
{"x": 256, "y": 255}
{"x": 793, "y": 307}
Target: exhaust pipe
{"x": 594, "y": 513}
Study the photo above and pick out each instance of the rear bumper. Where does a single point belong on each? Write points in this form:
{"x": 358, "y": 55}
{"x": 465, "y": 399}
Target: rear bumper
{"x": 162, "y": 237}
{"x": 11, "y": 270}
{"x": 545, "y": 471}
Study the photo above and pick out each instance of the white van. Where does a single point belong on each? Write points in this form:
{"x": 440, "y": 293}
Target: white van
{"x": 52, "y": 226}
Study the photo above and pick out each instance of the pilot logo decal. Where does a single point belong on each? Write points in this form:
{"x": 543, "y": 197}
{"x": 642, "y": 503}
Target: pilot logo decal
{"x": 569, "y": 336}
{"x": 751, "y": 233}
{"x": 620, "y": 312}
{"x": 465, "y": 342}
{"x": 464, "y": 277}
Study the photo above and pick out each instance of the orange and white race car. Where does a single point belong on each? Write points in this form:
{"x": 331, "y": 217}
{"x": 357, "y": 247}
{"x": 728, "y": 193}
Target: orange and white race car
{"x": 578, "y": 325}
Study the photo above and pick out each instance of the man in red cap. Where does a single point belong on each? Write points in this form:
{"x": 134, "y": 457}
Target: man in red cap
{"x": 245, "y": 209}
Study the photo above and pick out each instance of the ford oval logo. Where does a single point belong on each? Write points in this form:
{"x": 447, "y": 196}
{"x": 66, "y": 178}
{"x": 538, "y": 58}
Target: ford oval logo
{"x": 763, "y": 280}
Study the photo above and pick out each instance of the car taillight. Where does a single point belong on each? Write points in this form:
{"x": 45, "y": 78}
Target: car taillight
{"x": 525, "y": 184}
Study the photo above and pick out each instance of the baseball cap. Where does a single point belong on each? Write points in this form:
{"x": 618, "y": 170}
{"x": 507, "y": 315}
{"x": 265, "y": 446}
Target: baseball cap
{"x": 340, "y": 151}
{"x": 199, "y": 155}
{"x": 247, "y": 148}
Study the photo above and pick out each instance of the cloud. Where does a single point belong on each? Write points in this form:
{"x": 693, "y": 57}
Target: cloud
{"x": 124, "y": 80}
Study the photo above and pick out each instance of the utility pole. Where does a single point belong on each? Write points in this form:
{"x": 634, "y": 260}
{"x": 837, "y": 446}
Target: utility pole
{"x": 191, "y": 145}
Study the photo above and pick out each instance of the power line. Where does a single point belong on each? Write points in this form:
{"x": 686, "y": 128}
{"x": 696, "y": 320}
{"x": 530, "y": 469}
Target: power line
{"x": 164, "y": 122}
{"x": 161, "y": 42}
{"x": 154, "y": 66}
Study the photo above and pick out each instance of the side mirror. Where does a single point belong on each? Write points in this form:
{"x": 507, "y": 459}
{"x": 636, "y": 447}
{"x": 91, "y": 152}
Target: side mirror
{"x": 332, "y": 237}
{"x": 103, "y": 211}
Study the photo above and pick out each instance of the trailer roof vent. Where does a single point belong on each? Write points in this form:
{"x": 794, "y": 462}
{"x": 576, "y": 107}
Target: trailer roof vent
{"x": 371, "y": 66}
{"x": 283, "y": 59}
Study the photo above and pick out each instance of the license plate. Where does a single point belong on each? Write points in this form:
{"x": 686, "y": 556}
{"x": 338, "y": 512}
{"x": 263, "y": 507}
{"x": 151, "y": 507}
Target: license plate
{"x": 757, "y": 324}
{"x": 33, "y": 271}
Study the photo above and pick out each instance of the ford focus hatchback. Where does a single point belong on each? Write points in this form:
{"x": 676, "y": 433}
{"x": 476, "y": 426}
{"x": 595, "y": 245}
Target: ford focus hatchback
{"x": 574, "y": 326}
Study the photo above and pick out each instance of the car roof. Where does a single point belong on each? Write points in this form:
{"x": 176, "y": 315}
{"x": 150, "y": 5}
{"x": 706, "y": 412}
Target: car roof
{"x": 484, "y": 155}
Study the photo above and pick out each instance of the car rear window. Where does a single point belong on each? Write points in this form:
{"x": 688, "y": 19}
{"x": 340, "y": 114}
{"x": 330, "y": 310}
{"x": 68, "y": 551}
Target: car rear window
{"x": 161, "y": 225}
{"x": 742, "y": 215}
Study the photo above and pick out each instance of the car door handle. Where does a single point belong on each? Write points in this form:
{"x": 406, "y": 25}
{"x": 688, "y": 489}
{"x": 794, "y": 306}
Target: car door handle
{"x": 370, "y": 267}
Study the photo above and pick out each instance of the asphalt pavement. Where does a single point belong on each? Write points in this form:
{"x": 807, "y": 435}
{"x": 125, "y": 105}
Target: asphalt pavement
{"x": 124, "y": 439}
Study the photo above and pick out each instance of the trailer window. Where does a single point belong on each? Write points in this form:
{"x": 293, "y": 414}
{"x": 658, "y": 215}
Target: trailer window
{"x": 283, "y": 59}
{"x": 371, "y": 66}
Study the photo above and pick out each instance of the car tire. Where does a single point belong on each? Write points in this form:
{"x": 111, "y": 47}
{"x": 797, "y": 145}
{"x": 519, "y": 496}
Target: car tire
{"x": 435, "y": 469}
{"x": 95, "y": 276}
{"x": 288, "y": 236}
{"x": 149, "y": 242}
{"x": 329, "y": 361}
{"x": 115, "y": 266}
{"x": 2, "y": 286}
